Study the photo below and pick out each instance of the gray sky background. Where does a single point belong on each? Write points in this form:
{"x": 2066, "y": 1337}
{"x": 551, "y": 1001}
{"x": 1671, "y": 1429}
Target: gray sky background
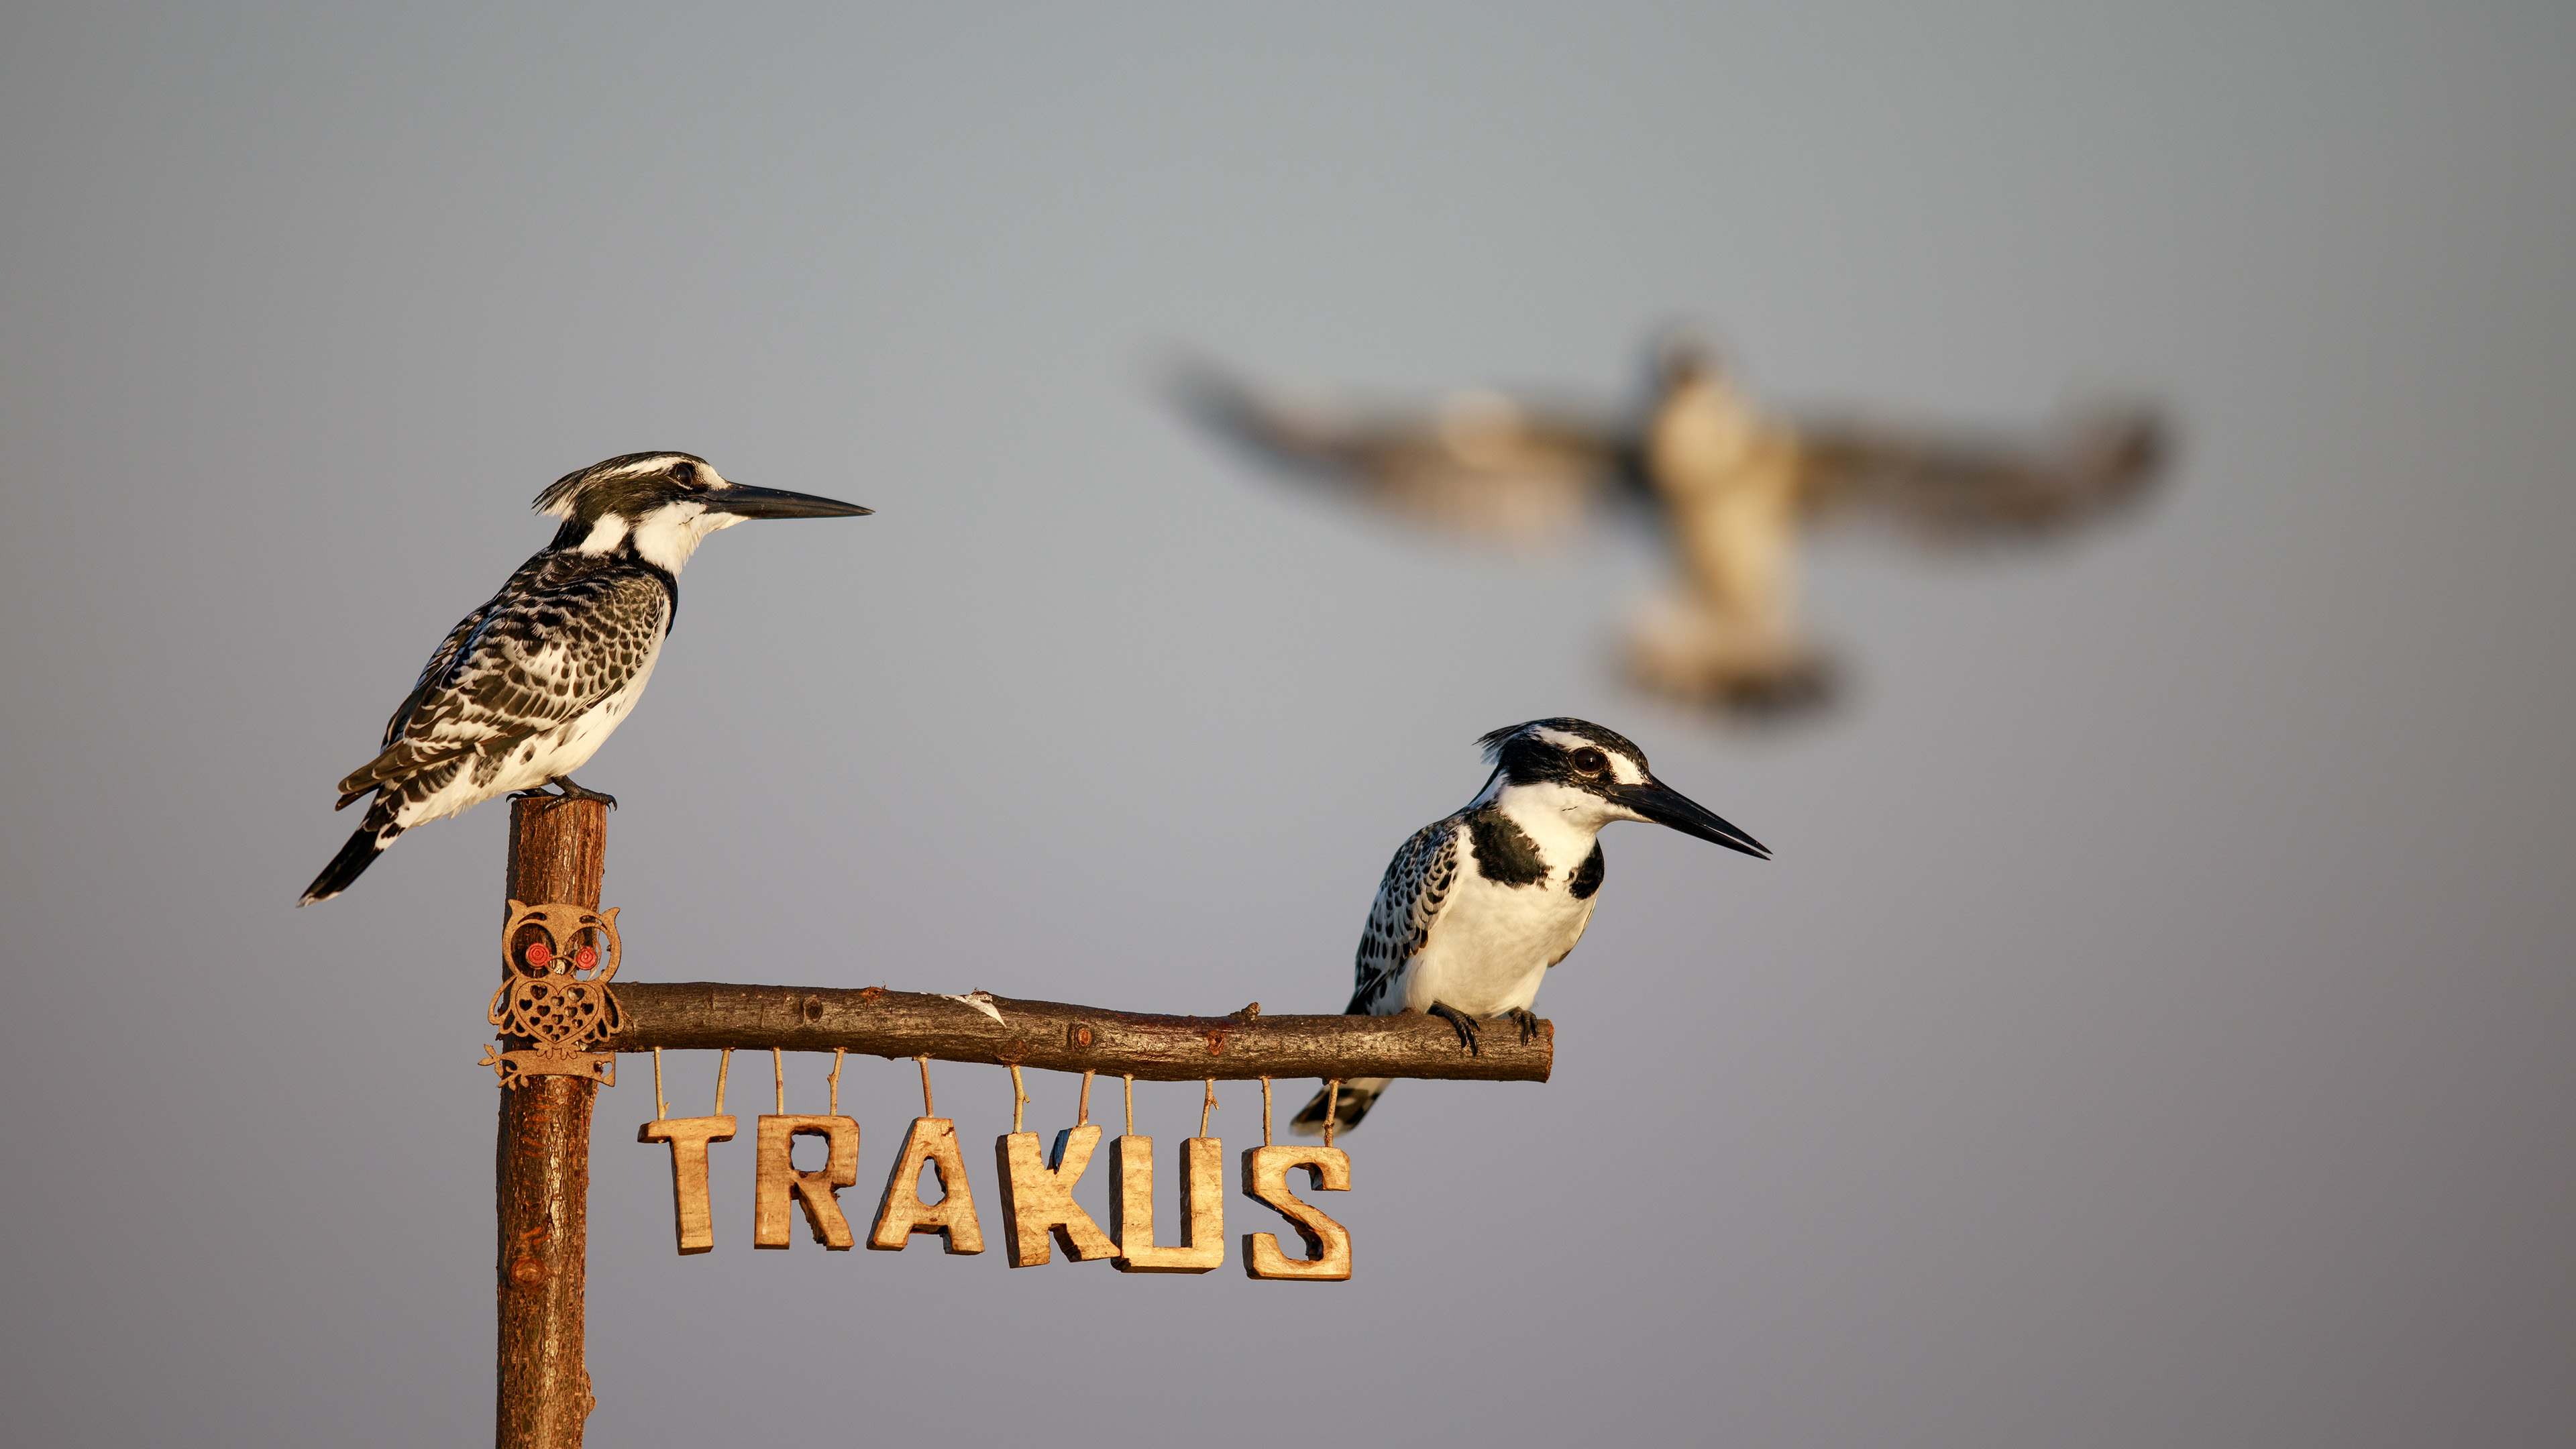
{"x": 2154, "y": 1031}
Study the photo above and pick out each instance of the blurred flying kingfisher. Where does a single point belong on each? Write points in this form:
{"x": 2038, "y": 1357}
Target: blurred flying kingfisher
{"x": 1729, "y": 486}
{"x": 529, "y": 686}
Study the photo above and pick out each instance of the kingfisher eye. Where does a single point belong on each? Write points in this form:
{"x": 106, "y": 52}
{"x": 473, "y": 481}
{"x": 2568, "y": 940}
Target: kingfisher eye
{"x": 1590, "y": 761}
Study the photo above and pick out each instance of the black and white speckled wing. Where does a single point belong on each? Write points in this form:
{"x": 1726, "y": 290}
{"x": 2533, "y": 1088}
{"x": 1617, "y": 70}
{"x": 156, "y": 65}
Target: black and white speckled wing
{"x": 1409, "y": 900}
{"x": 557, "y": 640}
{"x": 434, "y": 674}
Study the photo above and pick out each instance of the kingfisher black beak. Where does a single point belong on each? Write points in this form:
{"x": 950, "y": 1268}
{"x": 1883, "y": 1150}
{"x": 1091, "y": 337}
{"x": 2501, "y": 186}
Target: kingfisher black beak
{"x": 744, "y": 501}
{"x": 1664, "y": 805}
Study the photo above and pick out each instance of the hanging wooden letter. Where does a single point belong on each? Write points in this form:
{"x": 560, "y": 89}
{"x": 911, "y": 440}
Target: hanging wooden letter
{"x": 1265, "y": 1180}
{"x": 902, "y": 1213}
{"x": 689, "y": 1136}
{"x": 1131, "y": 1213}
{"x": 776, "y": 1179}
{"x": 1037, "y": 1196}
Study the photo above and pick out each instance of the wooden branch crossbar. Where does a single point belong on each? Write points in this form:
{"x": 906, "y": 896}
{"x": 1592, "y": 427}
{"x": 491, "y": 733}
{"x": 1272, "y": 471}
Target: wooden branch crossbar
{"x": 1002, "y": 1031}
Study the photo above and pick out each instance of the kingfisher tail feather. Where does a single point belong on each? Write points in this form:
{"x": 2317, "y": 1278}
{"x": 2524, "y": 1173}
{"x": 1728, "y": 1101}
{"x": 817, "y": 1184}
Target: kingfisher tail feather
{"x": 1358, "y": 1095}
{"x": 374, "y": 833}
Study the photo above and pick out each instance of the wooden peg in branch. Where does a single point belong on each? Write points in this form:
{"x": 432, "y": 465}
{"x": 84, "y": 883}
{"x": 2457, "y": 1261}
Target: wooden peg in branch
{"x": 1037, "y": 1196}
{"x": 691, "y": 1214}
{"x": 1131, "y": 1213}
{"x": 902, "y": 1213}
{"x": 1328, "y": 1243}
{"x": 775, "y": 1180}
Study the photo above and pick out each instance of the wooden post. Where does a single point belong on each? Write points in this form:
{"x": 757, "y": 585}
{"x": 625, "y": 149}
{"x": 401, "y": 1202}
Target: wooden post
{"x": 541, "y": 1169}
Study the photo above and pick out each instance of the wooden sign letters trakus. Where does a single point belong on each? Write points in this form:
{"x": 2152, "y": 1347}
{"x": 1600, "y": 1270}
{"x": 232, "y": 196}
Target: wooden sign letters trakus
{"x": 1037, "y": 1187}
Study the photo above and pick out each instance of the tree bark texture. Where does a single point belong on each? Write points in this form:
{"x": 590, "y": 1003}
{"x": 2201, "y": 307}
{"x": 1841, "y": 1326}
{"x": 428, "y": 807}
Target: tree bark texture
{"x": 541, "y": 1168}
{"x": 1050, "y": 1035}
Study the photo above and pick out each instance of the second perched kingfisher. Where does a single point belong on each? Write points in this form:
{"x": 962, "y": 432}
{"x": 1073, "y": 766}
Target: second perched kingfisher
{"x": 1476, "y": 907}
{"x": 527, "y": 687}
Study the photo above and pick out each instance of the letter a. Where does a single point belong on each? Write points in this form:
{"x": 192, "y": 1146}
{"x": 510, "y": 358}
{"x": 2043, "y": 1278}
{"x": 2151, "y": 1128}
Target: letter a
{"x": 1038, "y": 1196}
{"x": 1131, "y": 1214}
{"x": 690, "y": 1210}
{"x": 902, "y": 1213}
{"x": 1265, "y": 1180}
{"x": 776, "y": 1180}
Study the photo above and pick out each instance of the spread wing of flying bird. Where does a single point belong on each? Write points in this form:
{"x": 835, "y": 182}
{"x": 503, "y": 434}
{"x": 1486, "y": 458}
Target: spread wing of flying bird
{"x": 1950, "y": 488}
{"x": 1475, "y": 462}
{"x": 1729, "y": 486}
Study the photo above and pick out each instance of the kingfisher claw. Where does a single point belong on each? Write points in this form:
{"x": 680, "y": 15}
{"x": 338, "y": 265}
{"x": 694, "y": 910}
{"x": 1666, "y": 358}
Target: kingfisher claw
{"x": 574, "y": 790}
{"x": 1464, "y": 1024}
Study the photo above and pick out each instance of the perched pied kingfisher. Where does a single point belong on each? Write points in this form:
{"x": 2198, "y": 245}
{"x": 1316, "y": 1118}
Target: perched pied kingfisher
{"x": 1475, "y": 908}
{"x": 527, "y": 687}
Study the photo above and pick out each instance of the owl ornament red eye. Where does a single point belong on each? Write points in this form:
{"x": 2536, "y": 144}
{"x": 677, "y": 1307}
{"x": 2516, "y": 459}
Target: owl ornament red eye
{"x": 540, "y": 955}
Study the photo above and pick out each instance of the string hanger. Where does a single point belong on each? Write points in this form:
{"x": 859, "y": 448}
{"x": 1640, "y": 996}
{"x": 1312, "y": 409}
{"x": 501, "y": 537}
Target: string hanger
{"x": 724, "y": 1064}
{"x": 1130, "y": 1079}
{"x": 1083, "y": 1117}
{"x": 661, "y": 1109}
{"x": 1207, "y": 1106}
{"x": 778, "y": 1068}
{"x": 927, "y": 1110}
{"x": 1019, "y": 1097}
{"x": 835, "y": 1079}
{"x": 1332, "y": 1110}
{"x": 1265, "y": 1111}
